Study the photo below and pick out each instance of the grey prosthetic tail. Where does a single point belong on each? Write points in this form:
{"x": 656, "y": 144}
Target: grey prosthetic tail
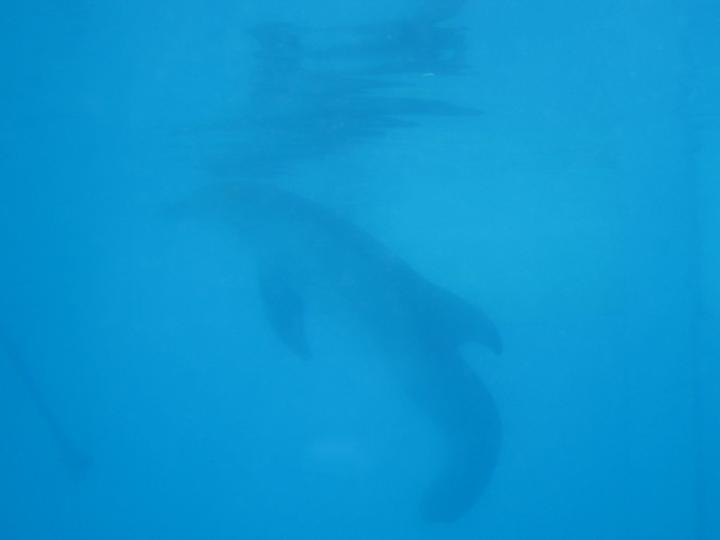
{"x": 463, "y": 410}
{"x": 454, "y": 398}
{"x": 72, "y": 457}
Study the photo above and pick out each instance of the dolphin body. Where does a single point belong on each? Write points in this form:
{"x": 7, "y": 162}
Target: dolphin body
{"x": 306, "y": 253}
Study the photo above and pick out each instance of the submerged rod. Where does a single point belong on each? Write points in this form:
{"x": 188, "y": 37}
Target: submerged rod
{"x": 71, "y": 455}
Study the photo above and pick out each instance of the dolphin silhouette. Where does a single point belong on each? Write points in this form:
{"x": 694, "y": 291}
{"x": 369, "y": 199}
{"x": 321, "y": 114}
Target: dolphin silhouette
{"x": 306, "y": 253}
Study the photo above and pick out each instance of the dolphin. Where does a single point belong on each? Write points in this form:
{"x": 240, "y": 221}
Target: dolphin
{"x": 306, "y": 253}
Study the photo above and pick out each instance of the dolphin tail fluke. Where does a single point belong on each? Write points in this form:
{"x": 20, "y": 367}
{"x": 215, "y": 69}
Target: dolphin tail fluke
{"x": 456, "y": 489}
{"x": 466, "y": 416}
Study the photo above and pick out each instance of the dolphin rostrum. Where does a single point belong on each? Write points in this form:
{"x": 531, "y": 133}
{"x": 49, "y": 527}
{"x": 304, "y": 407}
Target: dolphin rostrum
{"x": 306, "y": 253}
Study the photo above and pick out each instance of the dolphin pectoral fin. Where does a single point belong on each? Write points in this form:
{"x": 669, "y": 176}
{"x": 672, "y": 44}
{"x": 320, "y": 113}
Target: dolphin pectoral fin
{"x": 285, "y": 309}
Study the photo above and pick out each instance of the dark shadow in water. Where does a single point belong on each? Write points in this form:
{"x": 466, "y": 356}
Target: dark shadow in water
{"x": 316, "y": 92}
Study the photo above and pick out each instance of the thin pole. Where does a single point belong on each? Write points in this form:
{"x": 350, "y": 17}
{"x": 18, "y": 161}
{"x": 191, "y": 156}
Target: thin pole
{"x": 72, "y": 457}
{"x": 697, "y": 285}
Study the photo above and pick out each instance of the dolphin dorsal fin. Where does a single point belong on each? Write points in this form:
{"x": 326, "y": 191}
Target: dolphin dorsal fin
{"x": 448, "y": 320}
{"x": 285, "y": 309}
{"x": 476, "y": 326}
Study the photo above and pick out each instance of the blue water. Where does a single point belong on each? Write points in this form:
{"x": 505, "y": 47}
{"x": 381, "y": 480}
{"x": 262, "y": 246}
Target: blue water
{"x": 418, "y": 269}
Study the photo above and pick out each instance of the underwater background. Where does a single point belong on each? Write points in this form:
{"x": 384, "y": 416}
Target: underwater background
{"x": 549, "y": 171}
